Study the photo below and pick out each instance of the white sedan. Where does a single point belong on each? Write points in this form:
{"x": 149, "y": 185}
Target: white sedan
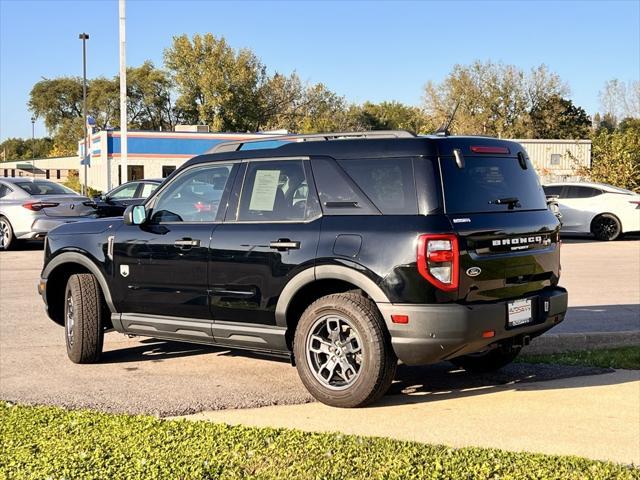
{"x": 603, "y": 210}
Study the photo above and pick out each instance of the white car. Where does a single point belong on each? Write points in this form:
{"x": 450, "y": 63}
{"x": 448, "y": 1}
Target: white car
{"x": 603, "y": 210}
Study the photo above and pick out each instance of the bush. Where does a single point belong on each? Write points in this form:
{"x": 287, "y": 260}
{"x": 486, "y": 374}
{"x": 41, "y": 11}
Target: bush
{"x": 615, "y": 157}
{"x": 73, "y": 182}
{"x": 50, "y": 442}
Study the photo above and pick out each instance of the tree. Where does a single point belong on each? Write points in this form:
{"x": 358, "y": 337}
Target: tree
{"x": 218, "y": 86}
{"x": 56, "y": 100}
{"x": 493, "y": 99}
{"x": 557, "y": 117}
{"x": 615, "y": 156}
{"x": 390, "y": 116}
{"x": 620, "y": 100}
{"x": 25, "y": 148}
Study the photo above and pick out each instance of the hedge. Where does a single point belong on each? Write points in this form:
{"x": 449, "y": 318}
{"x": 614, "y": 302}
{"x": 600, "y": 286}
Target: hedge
{"x": 50, "y": 442}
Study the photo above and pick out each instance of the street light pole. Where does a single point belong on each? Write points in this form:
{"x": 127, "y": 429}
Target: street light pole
{"x": 33, "y": 146}
{"x": 84, "y": 37}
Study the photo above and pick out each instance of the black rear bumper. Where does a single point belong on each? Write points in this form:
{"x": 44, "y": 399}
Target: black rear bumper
{"x": 440, "y": 332}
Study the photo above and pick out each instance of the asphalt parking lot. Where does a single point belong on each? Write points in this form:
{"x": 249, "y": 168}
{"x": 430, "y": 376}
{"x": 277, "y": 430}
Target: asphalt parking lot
{"x": 169, "y": 378}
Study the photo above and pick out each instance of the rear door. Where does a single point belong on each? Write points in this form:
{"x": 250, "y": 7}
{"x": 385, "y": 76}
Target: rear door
{"x": 508, "y": 237}
{"x": 270, "y": 234}
{"x": 578, "y": 204}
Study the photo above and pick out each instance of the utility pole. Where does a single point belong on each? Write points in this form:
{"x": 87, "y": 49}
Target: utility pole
{"x": 123, "y": 94}
{"x": 84, "y": 37}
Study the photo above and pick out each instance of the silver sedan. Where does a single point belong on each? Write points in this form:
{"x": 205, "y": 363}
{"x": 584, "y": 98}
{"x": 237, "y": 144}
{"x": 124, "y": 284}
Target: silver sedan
{"x": 30, "y": 207}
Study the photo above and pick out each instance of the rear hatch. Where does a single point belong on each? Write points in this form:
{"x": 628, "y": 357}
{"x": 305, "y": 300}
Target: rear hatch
{"x": 508, "y": 238}
{"x": 64, "y": 205}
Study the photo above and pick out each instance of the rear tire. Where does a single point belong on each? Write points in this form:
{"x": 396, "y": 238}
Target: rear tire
{"x": 486, "y": 362}
{"x": 343, "y": 352}
{"x": 83, "y": 311}
{"x": 7, "y": 237}
{"x": 606, "y": 227}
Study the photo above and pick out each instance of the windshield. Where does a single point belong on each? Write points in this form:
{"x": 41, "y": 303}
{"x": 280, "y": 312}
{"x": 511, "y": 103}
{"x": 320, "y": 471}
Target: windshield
{"x": 43, "y": 187}
{"x": 488, "y": 184}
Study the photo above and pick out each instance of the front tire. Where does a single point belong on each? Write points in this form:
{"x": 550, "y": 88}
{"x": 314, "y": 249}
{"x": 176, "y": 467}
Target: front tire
{"x": 83, "y": 310}
{"x": 7, "y": 237}
{"x": 606, "y": 227}
{"x": 343, "y": 352}
{"x": 486, "y": 362}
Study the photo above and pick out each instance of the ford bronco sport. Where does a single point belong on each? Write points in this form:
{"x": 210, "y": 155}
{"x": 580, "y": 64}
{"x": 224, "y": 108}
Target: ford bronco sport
{"x": 343, "y": 252}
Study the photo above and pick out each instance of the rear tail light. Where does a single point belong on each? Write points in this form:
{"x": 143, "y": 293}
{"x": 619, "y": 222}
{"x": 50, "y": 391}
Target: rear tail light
{"x": 438, "y": 260}
{"x": 37, "y": 206}
{"x": 635, "y": 202}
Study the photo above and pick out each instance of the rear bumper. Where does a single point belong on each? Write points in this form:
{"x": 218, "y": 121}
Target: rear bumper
{"x": 440, "y": 332}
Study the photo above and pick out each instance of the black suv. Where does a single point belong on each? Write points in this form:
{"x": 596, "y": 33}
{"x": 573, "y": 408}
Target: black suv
{"x": 344, "y": 252}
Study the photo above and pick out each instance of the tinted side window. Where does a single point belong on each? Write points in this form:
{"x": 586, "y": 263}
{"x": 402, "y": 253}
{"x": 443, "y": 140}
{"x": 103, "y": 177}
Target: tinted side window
{"x": 339, "y": 195}
{"x": 193, "y": 196}
{"x": 126, "y": 191}
{"x": 388, "y": 182}
{"x": 555, "y": 190}
{"x": 275, "y": 191}
{"x": 581, "y": 192}
{"x": 4, "y": 191}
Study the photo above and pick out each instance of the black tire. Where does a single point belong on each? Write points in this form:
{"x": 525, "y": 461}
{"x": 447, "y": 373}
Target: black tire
{"x": 606, "y": 227}
{"x": 7, "y": 237}
{"x": 376, "y": 363}
{"x": 486, "y": 362}
{"x": 83, "y": 312}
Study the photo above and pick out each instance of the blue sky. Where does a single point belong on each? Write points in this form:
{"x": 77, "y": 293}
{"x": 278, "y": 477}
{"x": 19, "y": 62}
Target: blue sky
{"x": 364, "y": 50}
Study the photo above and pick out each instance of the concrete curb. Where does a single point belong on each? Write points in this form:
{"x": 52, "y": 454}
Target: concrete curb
{"x": 566, "y": 342}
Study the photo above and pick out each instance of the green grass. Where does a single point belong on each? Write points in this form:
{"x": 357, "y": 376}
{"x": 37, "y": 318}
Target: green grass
{"x": 624, "y": 357}
{"x": 50, "y": 442}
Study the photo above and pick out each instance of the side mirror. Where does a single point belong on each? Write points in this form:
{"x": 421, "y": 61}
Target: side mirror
{"x": 135, "y": 215}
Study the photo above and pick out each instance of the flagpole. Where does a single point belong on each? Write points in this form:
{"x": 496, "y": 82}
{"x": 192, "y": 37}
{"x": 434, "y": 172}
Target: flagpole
{"x": 123, "y": 94}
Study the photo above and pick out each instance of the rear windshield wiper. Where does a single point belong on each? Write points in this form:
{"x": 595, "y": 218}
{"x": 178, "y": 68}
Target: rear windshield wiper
{"x": 512, "y": 202}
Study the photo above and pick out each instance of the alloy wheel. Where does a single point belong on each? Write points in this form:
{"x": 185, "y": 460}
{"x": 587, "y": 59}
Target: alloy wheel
{"x": 334, "y": 352}
{"x": 5, "y": 234}
{"x": 69, "y": 318}
{"x": 606, "y": 227}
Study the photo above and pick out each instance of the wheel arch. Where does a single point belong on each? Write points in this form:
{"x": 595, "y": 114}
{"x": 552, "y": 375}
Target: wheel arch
{"x": 315, "y": 282}
{"x": 57, "y": 273}
{"x": 600, "y": 214}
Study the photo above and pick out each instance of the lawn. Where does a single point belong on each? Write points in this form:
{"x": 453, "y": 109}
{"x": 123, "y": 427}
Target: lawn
{"x": 50, "y": 442}
{"x": 624, "y": 357}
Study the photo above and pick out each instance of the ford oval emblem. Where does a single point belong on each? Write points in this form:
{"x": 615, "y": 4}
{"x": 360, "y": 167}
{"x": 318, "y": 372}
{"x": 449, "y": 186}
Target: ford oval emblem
{"x": 474, "y": 271}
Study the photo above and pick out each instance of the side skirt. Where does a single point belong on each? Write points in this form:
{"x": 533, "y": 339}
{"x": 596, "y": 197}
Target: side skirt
{"x": 250, "y": 336}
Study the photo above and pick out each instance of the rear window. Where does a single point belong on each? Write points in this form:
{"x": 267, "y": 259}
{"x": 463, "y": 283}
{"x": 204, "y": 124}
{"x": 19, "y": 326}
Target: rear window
{"x": 388, "y": 182}
{"x": 41, "y": 187}
{"x": 483, "y": 181}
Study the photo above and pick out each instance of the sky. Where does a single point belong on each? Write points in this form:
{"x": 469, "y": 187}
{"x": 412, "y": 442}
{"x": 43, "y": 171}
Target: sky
{"x": 364, "y": 50}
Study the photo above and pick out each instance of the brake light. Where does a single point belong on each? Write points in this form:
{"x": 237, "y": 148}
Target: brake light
{"x": 438, "y": 260}
{"x": 37, "y": 206}
{"x": 489, "y": 150}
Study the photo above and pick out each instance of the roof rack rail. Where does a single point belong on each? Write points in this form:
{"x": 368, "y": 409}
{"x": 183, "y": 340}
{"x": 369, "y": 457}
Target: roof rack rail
{"x": 312, "y": 137}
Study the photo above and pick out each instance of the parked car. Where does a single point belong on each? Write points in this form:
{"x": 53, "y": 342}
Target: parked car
{"x": 552, "y": 204}
{"x": 341, "y": 253}
{"x": 602, "y": 210}
{"x": 30, "y": 207}
{"x": 114, "y": 202}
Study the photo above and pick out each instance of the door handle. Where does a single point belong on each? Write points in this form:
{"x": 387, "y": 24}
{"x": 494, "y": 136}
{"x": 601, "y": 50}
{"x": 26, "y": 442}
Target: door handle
{"x": 186, "y": 243}
{"x": 284, "y": 244}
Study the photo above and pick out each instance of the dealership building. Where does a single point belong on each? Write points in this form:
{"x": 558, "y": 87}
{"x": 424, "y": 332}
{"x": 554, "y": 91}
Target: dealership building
{"x": 157, "y": 154}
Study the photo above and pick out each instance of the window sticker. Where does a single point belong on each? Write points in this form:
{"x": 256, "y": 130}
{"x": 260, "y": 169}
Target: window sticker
{"x": 265, "y": 186}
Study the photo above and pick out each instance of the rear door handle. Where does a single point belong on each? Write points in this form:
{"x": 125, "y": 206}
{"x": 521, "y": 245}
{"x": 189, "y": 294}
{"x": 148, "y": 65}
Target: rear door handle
{"x": 186, "y": 243}
{"x": 284, "y": 244}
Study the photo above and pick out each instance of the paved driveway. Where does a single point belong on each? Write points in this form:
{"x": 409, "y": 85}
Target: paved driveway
{"x": 168, "y": 378}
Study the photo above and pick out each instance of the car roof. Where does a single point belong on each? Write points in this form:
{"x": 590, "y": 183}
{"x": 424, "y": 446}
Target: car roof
{"x": 358, "y": 148}
{"x": 602, "y": 186}
{"x": 14, "y": 180}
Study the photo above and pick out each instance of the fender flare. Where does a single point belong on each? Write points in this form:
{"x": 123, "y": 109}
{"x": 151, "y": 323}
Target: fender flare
{"x": 74, "y": 257}
{"x": 325, "y": 272}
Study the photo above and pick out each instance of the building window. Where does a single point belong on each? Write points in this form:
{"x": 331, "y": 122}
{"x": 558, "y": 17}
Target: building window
{"x": 6, "y": 172}
{"x": 555, "y": 158}
{"x": 58, "y": 174}
{"x": 47, "y": 174}
{"x": 13, "y": 172}
{"x": 135, "y": 172}
{"x": 167, "y": 170}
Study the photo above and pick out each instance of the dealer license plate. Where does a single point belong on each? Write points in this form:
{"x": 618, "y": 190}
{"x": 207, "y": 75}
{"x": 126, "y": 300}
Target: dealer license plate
{"x": 519, "y": 312}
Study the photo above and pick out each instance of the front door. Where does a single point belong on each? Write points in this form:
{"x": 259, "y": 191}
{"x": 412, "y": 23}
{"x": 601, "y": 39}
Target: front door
{"x": 270, "y": 234}
{"x": 161, "y": 267}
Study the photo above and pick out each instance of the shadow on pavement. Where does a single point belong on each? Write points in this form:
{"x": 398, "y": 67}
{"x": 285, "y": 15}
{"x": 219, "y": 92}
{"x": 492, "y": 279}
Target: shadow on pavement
{"x": 586, "y": 238}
